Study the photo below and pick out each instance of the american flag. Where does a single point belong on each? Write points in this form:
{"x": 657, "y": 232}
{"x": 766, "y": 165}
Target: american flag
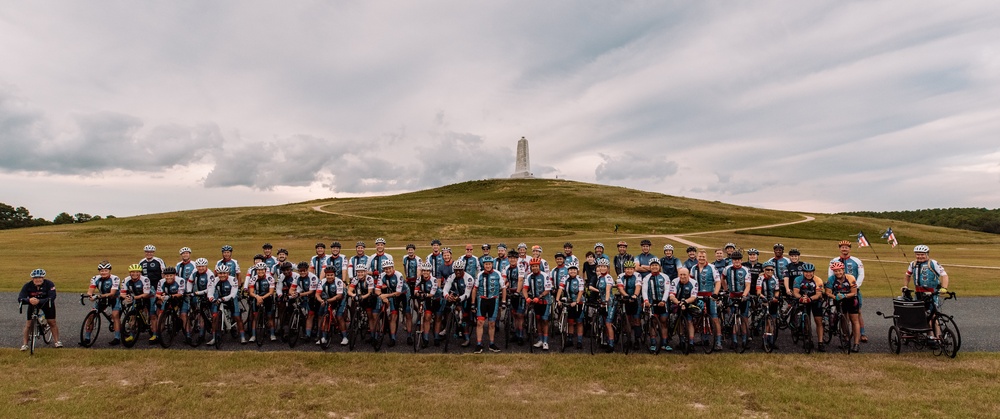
{"x": 890, "y": 237}
{"x": 862, "y": 240}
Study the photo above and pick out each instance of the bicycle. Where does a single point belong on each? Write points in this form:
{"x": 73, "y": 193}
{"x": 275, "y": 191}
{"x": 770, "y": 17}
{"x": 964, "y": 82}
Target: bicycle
{"x": 770, "y": 327}
{"x": 39, "y": 327}
{"x": 651, "y": 327}
{"x": 801, "y": 326}
{"x": 734, "y": 327}
{"x": 704, "y": 325}
{"x": 418, "y": 304}
{"x": 564, "y": 325}
{"x": 169, "y": 322}
{"x": 200, "y": 320}
{"x": 135, "y": 320}
{"x": 915, "y": 321}
{"x": 623, "y": 326}
{"x": 830, "y": 317}
{"x": 226, "y": 323}
{"x": 598, "y": 330}
{"x": 358, "y": 325}
{"x": 294, "y": 327}
{"x": 92, "y": 321}
{"x": 845, "y": 331}
{"x": 260, "y": 328}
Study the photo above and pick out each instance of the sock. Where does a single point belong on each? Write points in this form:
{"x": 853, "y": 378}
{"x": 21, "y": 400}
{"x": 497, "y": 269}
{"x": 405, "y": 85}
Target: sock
{"x": 611, "y": 342}
{"x": 862, "y": 331}
{"x": 479, "y": 342}
{"x": 309, "y": 332}
{"x": 272, "y": 331}
{"x": 86, "y": 335}
{"x": 652, "y": 341}
{"x": 545, "y": 339}
{"x": 323, "y": 335}
{"x": 243, "y": 335}
{"x": 579, "y": 338}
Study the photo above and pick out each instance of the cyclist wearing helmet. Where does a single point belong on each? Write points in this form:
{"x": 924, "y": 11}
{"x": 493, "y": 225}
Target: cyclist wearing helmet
{"x": 737, "y": 283}
{"x": 199, "y": 286}
{"x": 599, "y": 253}
{"x": 487, "y": 252}
{"x": 536, "y": 254}
{"x": 843, "y": 288}
{"x": 568, "y": 252}
{"x": 769, "y": 289}
{"x": 928, "y": 276}
{"x": 794, "y": 270}
{"x": 538, "y": 291}
{"x": 709, "y": 285}
{"x": 656, "y": 295}
{"x": 669, "y": 265}
{"x": 262, "y": 289}
{"x": 721, "y": 261}
{"x": 169, "y": 291}
{"x": 305, "y": 287}
{"x": 318, "y": 262}
{"x": 560, "y": 272}
{"x": 692, "y": 259}
{"x": 605, "y": 283}
{"x": 517, "y": 303}
{"x": 332, "y": 299}
{"x": 377, "y": 261}
{"x": 621, "y": 258}
{"x": 471, "y": 261}
{"x": 754, "y": 266}
{"x": 252, "y": 272}
{"x": 730, "y": 249}
{"x": 436, "y": 259}
{"x": 808, "y": 289}
{"x": 490, "y": 292}
{"x": 226, "y": 288}
{"x": 523, "y": 262}
{"x": 339, "y": 262}
{"x": 394, "y": 294}
{"x": 642, "y": 259}
{"x": 427, "y": 291}
{"x": 39, "y": 294}
{"x": 227, "y": 259}
{"x": 570, "y": 292}
{"x": 855, "y": 268}
{"x": 684, "y": 296}
{"x": 185, "y": 267}
{"x": 629, "y": 286}
{"x": 269, "y": 260}
{"x": 139, "y": 288}
{"x": 360, "y": 259}
{"x": 457, "y": 289}
{"x": 366, "y": 294}
{"x": 104, "y": 292}
{"x": 152, "y": 266}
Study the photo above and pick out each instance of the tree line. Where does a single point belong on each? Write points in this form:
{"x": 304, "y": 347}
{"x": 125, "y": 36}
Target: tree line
{"x": 974, "y": 219}
{"x": 20, "y": 217}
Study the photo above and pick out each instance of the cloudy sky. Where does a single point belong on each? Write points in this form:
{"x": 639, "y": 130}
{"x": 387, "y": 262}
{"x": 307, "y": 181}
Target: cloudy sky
{"x": 134, "y": 107}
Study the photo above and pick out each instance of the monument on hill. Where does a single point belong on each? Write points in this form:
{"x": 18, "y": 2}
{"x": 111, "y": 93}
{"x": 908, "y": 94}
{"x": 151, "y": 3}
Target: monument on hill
{"x": 522, "y": 167}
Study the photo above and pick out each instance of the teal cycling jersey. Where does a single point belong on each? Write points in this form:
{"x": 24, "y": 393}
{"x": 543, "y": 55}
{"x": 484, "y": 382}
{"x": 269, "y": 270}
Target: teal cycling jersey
{"x": 807, "y": 287}
{"x": 319, "y": 263}
{"x": 839, "y": 286}
{"x": 226, "y": 290}
{"x": 271, "y": 262}
{"x": 926, "y": 274}
{"x": 436, "y": 260}
{"x": 630, "y": 282}
{"x": 656, "y": 288}
{"x": 736, "y": 278}
{"x": 234, "y": 266}
{"x": 411, "y": 265}
{"x": 644, "y": 259}
{"x": 164, "y": 288}
{"x": 358, "y": 261}
{"x": 559, "y": 274}
{"x": 706, "y": 277}
{"x": 670, "y": 266}
{"x": 185, "y": 270}
{"x": 105, "y": 285}
{"x": 471, "y": 265}
{"x": 690, "y": 263}
{"x": 261, "y": 286}
{"x": 852, "y": 266}
{"x": 199, "y": 282}
{"x": 603, "y": 281}
{"x": 720, "y": 265}
{"x": 572, "y": 286}
{"x": 331, "y": 289}
{"x": 682, "y": 291}
{"x": 767, "y": 286}
{"x": 780, "y": 266}
{"x": 537, "y": 284}
{"x": 489, "y": 284}
{"x": 137, "y": 287}
{"x": 376, "y": 262}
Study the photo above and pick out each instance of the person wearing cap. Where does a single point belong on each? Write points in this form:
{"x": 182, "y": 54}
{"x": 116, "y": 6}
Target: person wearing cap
{"x": 269, "y": 260}
{"x": 792, "y": 271}
{"x": 538, "y": 292}
{"x": 808, "y": 290}
{"x": 842, "y": 287}
{"x": 318, "y": 262}
{"x": 568, "y": 252}
{"x": 692, "y": 259}
{"x": 393, "y": 293}
{"x": 621, "y": 258}
{"x": 642, "y": 265}
{"x": 152, "y": 266}
{"x": 603, "y": 289}
{"x": 103, "y": 291}
{"x": 736, "y": 281}
{"x": 360, "y": 259}
{"x": 570, "y": 293}
{"x": 599, "y": 252}
{"x": 362, "y": 287}
{"x": 729, "y": 248}
{"x": 487, "y": 252}
{"x": 929, "y": 278}
{"x": 39, "y": 294}
{"x": 768, "y": 288}
{"x": 669, "y": 265}
{"x": 709, "y": 284}
{"x": 854, "y": 267}
{"x": 490, "y": 292}
{"x": 185, "y": 268}
{"x": 457, "y": 290}
{"x": 656, "y": 296}
{"x": 436, "y": 259}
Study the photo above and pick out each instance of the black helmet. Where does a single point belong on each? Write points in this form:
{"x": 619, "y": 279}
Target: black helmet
{"x": 285, "y": 251}
{"x": 737, "y": 255}
{"x": 258, "y": 256}
{"x": 329, "y": 269}
{"x": 645, "y": 242}
{"x": 303, "y": 266}
{"x": 267, "y": 246}
{"x": 170, "y": 270}
{"x": 335, "y": 244}
{"x": 319, "y": 245}
{"x": 794, "y": 252}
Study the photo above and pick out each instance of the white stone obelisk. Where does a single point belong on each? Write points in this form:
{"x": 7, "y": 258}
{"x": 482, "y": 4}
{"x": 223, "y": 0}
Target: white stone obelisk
{"x": 522, "y": 167}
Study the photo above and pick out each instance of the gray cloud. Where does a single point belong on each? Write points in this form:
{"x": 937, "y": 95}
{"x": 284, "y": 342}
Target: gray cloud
{"x": 633, "y": 165}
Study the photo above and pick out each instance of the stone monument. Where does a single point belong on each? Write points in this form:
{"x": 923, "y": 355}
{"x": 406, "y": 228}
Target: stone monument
{"x": 522, "y": 167}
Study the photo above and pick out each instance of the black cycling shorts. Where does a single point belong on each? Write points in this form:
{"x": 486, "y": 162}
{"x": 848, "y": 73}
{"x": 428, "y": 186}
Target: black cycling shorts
{"x": 48, "y": 309}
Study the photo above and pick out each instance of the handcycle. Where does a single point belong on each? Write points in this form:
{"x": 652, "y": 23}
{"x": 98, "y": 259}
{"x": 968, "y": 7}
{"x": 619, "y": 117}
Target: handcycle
{"x": 914, "y": 321}
{"x": 92, "y": 321}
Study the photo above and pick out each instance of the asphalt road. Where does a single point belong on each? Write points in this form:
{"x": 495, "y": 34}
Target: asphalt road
{"x": 975, "y": 317}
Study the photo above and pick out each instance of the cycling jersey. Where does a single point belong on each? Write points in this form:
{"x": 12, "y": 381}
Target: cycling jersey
{"x": 603, "y": 281}
{"x": 136, "y": 287}
{"x": 512, "y": 276}
{"x": 780, "y": 267}
{"x": 808, "y": 288}
{"x": 304, "y": 284}
{"x": 184, "y": 270}
{"x": 376, "y": 261}
{"x": 767, "y": 286}
{"x": 926, "y": 275}
{"x": 46, "y": 295}
{"x": 793, "y": 271}
{"x": 656, "y": 288}
{"x": 524, "y": 267}
{"x": 437, "y": 261}
{"x": 319, "y": 263}
{"x": 572, "y": 286}
{"x": 286, "y": 281}
{"x": 331, "y": 289}
{"x": 630, "y": 282}
{"x": 364, "y": 285}
{"x": 842, "y": 285}
{"x": 559, "y": 274}
{"x": 619, "y": 262}
{"x": 392, "y": 283}
{"x": 199, "y": 282}
{"x": 706, "y": 277}
{"x": 644, "y": 259}
{"x": 537, "y": 284}
{"x": 163, "y": 288}
{"x": 471, "y": 265}
{"x": 234, "y": 267}
{"x": 339, "y": 263}
{"x": 411, "y": 265}
{"x": 261, "y": 286}
{"x": 105, "y": 285}
{"x": 356, "y": 260}
{"x": 460, "y": 287}
{"x": 152, "y": 268}
{"x": 271, "y": 262}
{"x": 852, "y": 266}
{"x": 737, "y": 279}
{"x": 690, "y": 263}
{"x": 428, "y": 286}
{"x": 489, "y": 284}
{"x": 682, "y": 291}
{"x": 670, "y": 266}
{"x": 501, "y": 265}
{"x": 720, "y": 265}
{"x": 226, "y": 290}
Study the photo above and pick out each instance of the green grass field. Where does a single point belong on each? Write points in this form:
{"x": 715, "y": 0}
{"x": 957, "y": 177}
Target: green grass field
{"x": 87, "y": 383}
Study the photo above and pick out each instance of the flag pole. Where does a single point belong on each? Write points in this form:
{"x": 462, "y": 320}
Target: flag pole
{"x": 888, "y": 281}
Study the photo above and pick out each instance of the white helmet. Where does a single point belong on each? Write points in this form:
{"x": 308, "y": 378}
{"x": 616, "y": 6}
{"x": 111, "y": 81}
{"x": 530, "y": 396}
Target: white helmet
{"x": 921, "y": 248}
{"x": 668, "y": 247}
{"x": 149, "y": 248}
{"x": 426, "y": 266}
{"x": 388, "y": 264}
{"x": 222, "y": 269}
{"x": 203, "y": 262}
{"x": 379, "y": 241}
{"x": 459, "y": 264}
{"x": 260, "y": 265}
{"x": 184, "y": 249}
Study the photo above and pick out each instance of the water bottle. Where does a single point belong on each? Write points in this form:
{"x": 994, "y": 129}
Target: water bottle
{"x": 41, "y": 317}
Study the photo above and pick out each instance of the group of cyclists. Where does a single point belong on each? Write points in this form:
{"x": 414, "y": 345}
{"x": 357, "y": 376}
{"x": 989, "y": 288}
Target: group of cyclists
{"x": 415, "y": 293}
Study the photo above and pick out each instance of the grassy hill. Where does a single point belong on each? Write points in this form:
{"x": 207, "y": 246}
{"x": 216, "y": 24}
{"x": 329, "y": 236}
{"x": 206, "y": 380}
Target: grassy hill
{"x": 536, "y": 211}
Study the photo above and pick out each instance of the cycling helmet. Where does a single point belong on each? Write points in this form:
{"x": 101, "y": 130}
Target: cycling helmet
{"x": 426, "y": 266}
{"x": 135, "y": 267}
{"x": 149, "y": 248}
{"x": 655, "y": 260}
{"x": 844, "y": 243}
{"x": 260, "y": 265}
{"x": 360, "y": 268}
{"x": 170, "y": 270}
{"x": 603, "y": 262}
{"x": 486, "y": 260}
{"x": 201, "y": 262}
{"x": 808, "y": 267}
{"x": 258, "y": 257}
{"x": 360, "y": 244}
{"x": 622, "y": 243}
{"x": 753, "y": 251}
{"x": 921, "y": 248}
{"x": 535, "y": 262}
{"x": 446, "y": 250}
{"x": 287, "y": 266}
{"x": 388, "y": 264}
{"x": 38, "y": 273}
{"x": 628, "y": 264}
{"x": 459, "y": 265}
{"x": 728, "y": 245}
{"x": 435, "y": 241}
{"x": 536, "y": 247}
{"x": 559, "y": 255}
{"x": 302, "y": 266}
{"x": 335, "y": 244}
{"x": 573, "y": 265}
{"x": 836, "y": 265}
{"x": 778, "y": 246}
{"x": 184, "y": 249}
{"x": 487, "y": 246}
{"x": 501, "y": 246}
{"x": 411, "y": 246}
{"x": 599, "y": 244}
{"x": 320, "y": 245}
{"x": 567, "y": 245}
{"x": 645, "y": 242}
{"x": 222, "y": 269}
{"x": 227, "y": 248}
{"x": 104, "y": 265}
{"x": 379, "y": 241}
{"x": 794, "y": 252}
{"x": 668, "y": 247}
{"x": 768, "y": 264}
{"x": 691, "y": 249}
{"x": 285, "y": 251}
{"x": 522, "y": 246}
{"x": 329, "y": 269}
{"x": 267, "y": 246}
{"x": 737, "y": 255}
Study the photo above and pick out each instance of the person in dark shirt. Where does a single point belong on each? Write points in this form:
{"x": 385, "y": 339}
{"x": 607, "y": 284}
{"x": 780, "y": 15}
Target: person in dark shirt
{"x": 39, "y": 294}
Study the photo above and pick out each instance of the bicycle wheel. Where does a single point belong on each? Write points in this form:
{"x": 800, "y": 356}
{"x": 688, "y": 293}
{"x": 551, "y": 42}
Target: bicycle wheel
{"x": 946, "y": 320}
{"x": 707, "y": 330}
{"x": 948, "y": 342}
{"x": 531, "y": 329}
{"x": 449, "y": 329}
{"x": 92, "y": 325}
{"x": 829, "y": 320}
{"x": 807, "y": 339}
{"x": 197, "y": 328}
{"x": 260, "y": 328}
{"x": 33, "y": 336}
{"x": 845, "y": 333}
{"x": 895, "y": 343}
{"x": 167, "y": 329}
{"x": 655, "y": 333}
{"x": 352, "y": 329}
{"x": 564, "y": 327}
{"x": 596, "y": 333}
{"x": 131, "y": 327}
{"x": 207, "y": 325}
{"x": 745, "y": 342}
{"x": 683, "y": 339}
{"x": 294, "y": 325}
{"x": 769, "y": 338}
{"x": 381, "y": 322}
